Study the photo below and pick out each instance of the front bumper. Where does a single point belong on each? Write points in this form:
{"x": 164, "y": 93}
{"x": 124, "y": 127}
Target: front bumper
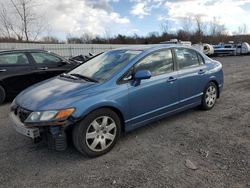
{"x": 31, "y": 132}
{"x": 55, "y": 135}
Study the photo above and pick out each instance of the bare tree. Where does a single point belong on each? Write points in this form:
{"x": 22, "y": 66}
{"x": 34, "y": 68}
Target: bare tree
{"x": 166, "y": 27}
{"x": 216, "y": 28}
{"x": 187, "y": 24}
{"x": 108, "y": 35}
{"x": 86, "y": 38}
{"x": 200, "y": 27}
{"x": 5, "y": 29}
{"x": 136, "y": 38}
{"x": 18, "y": 19}
{"x": 242, "y": 29}
{"x": 50, "y": 39}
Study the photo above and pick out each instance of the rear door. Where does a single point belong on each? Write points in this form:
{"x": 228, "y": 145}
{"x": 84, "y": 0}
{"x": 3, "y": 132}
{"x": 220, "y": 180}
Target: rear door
{"x": 15, "y": 71}
{"x": 191, "y": 75}
{"x": 48, "y": 65}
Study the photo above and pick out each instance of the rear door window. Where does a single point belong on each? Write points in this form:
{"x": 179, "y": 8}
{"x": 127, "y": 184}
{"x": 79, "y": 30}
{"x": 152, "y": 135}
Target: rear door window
{"x": 14, "y": 59}
{"x": 186, "y": 58}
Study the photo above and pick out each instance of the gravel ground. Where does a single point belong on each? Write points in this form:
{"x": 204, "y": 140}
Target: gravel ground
{"x": 216, "y": 144}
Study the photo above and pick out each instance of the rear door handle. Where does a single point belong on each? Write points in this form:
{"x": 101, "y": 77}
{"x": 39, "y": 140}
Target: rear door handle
{"x": 201, "y": 71}
{"x": 43, "y": 68}
{"x": 171, "y": 79}
{"x": 3, "y": 70}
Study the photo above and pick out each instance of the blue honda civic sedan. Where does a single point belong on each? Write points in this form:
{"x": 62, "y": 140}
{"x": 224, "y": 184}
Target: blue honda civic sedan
{"x": 116, "y": 91}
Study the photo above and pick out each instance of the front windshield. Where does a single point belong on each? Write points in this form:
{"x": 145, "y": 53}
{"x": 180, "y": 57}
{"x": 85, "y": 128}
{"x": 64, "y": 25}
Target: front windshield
{"x": 105, "y": 65}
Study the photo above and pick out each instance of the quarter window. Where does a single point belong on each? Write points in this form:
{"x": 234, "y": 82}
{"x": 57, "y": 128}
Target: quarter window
{"x": 157, "y": 63}
{"x": 201, "y": 61}
{"x": 13, "y": 59}
{"x": 44, "y": 58}
{"x": 186, "y": 58}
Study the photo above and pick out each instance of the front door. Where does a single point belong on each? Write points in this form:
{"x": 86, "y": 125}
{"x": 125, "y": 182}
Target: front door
{"x": 157, "y": 95}
{"x": 48, "y": 65}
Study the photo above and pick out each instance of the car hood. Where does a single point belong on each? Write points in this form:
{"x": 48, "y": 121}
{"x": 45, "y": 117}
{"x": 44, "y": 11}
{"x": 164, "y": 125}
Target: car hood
{"x": 56, "y": 93}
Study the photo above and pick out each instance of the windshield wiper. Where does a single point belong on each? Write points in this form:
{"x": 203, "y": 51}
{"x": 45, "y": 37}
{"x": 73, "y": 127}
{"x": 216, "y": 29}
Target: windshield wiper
{"x": 84, "y": 77}
{"x": 69, "y": 76}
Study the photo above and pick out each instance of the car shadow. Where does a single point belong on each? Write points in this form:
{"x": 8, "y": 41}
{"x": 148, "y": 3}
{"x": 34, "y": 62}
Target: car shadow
{"x": 160, "y": 123}
{"x": 72, "y": 153}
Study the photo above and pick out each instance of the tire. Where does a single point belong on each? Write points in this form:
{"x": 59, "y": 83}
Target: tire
{"x": 210, "y": 96}
{"x": 97, "y": 133}
{"x": 2, "y": 95}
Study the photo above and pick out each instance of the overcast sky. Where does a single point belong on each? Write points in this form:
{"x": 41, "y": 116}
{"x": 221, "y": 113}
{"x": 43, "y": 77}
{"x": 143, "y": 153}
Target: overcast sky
{"x": 137, "y": 16}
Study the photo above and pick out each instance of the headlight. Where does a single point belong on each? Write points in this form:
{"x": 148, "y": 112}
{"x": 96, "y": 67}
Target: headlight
{"x": 52, "y": 115}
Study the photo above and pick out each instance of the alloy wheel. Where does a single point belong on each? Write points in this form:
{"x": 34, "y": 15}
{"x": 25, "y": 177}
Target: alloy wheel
{"x": 101, "y": 133}
{"x": 211, "y": 95}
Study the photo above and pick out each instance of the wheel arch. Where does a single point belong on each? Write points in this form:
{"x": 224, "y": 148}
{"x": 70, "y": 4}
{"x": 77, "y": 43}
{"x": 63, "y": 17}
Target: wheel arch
{"x": 114, "y": 108}
{"x": 119, "y": 113}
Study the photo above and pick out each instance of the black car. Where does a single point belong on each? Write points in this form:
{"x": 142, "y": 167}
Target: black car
{"x": 22, "y": 68}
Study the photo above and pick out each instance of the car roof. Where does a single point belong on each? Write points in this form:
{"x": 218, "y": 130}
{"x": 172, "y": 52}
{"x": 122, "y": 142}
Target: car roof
{"x": 24, "y": 50}
{"x": 151, "y": 47}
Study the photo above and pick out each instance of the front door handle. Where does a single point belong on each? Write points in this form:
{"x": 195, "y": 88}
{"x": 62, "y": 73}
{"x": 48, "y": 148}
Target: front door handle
{"x": 3, "y": 70}
{"x": 201, "y": 71}
{"x": 43, "y": 68}
{"x": 171, "y": 79}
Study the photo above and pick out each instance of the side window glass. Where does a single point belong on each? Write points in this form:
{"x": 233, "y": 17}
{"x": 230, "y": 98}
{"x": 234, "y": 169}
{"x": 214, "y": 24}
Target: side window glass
{"x": 157, "y": 63}
{"x": 43, "y": 58}
{"x": 201, "y": 60}
{"x": 13, "y": 59}
{"x": 186, "y": 58}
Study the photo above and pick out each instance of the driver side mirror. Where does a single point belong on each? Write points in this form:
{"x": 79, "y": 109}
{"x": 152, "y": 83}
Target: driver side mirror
{"x": 62, "y": 63}
{"x": 141, "y": 75}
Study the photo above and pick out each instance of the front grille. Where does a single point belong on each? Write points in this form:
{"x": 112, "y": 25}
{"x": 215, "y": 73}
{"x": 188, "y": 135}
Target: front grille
{"x": 22, "y": 113}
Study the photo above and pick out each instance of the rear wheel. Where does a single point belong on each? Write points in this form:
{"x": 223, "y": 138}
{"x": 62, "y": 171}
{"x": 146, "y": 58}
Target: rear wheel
{"x": 2, "y": 94}
{"x": 97, "y": 133}
{"x": 209, "y": 97}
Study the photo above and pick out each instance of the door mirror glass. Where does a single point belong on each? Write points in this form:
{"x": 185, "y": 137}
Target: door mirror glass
{"x": 142, "y": 74}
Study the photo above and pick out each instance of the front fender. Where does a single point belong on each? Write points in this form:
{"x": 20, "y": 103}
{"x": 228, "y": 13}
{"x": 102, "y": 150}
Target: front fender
{"x": 105, "y": 104}
{"x": 113, "y": 98}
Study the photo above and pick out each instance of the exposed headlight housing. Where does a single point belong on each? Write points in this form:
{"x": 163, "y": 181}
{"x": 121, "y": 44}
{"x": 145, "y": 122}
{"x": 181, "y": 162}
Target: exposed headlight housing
{"x": 52, "y": 115}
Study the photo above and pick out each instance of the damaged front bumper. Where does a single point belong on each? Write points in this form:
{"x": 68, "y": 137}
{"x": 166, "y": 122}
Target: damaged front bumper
{"x": 32, "y": 132}
{"x": 54, "y": 134}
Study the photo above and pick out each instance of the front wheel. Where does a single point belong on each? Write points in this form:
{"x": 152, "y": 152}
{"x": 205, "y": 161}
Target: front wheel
{"x": 97, "y": 133}
{"x": 209, "y": 97}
